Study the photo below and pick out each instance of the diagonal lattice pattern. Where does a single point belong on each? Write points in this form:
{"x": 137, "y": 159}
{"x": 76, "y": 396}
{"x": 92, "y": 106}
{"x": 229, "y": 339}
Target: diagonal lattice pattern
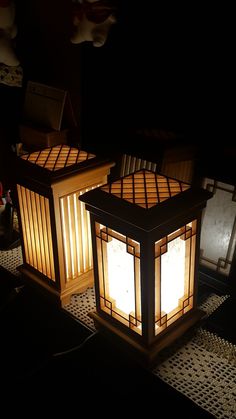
{"x": 58, "y": 157}
{"x": 145, "y": 188}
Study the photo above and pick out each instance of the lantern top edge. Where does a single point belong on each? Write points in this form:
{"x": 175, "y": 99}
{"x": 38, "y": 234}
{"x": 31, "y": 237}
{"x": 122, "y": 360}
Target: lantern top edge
{"x": 57, "y": 157}
{"x": 145, "y": 188}
{"x": 53, "y": 163}
{"x": 103, "y": 203}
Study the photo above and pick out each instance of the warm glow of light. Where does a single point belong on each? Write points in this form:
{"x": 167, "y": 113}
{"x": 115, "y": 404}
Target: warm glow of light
{"x": 76, "y": 232}
{"x": 121, "y": 276}
{"x": 145, "y": 188}
{"x": 71, "y": 234}
{"x": 64, "y": 235}
{"x": 36, "y": 229}
{"x": 83, "y": 230}
{"x": 57, "y": 157}
{"x": 172, "y": 275}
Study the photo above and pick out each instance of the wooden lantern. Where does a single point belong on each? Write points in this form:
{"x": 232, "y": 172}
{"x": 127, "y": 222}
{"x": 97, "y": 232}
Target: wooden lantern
{"x": 145, "y": 234}
{"x": 55, "y": 227}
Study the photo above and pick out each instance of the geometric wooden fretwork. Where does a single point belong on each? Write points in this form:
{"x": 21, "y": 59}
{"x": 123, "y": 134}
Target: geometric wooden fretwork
{"x": 145, "y": 188}
{"x": 58, "y": 157}
{"x": 186, "y": 235}
{"x": 104, "y": 235}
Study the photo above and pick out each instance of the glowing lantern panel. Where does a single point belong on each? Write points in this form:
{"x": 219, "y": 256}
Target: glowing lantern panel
{"x": 119, "y": 279}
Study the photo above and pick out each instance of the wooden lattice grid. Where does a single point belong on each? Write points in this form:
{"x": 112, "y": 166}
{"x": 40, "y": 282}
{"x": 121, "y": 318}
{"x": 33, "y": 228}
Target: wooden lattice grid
{"x": 145, "y": 188}
{"x": 57, "y": 157}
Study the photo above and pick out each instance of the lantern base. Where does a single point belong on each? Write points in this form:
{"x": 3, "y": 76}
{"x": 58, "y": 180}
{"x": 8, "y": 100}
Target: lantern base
{"x": 146, "y": 355}
{"x": 62, "y": 297}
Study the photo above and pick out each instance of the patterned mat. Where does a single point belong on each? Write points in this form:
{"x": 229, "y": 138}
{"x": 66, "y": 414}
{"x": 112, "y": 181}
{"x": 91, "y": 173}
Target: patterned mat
{"x": 11, "y": 259}
{"x": 203, "y": 368}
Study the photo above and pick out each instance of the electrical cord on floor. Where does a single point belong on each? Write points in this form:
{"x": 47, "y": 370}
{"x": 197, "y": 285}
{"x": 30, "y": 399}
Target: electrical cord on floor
{"x": 46, "y": 362}
{"x": 75, "y": 348}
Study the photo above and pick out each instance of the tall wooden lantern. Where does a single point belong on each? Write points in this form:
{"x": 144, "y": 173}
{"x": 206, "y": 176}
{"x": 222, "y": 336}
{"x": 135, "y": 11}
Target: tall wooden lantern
{"x": 55, "y": 227}
{"x": 145, "y": 234}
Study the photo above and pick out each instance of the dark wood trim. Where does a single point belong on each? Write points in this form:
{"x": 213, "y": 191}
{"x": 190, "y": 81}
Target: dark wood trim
{"x": 220, "y": 285}
{"x": 146, "y": 356}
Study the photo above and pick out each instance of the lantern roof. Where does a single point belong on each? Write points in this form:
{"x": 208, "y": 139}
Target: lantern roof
{"x": 145, "y": 188}
{"x": 52, "y": 163}
{"x": 145, "y": 199}
{"x": 57, "y": 157}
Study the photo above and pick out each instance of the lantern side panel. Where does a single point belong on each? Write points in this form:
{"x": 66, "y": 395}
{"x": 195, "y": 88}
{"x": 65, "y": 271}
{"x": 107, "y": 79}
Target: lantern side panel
{"x": 174, "y": 275}
{"x": 36, "y": 228}
{"x": 119, "y": 277}
{"x": 77, "y": 244}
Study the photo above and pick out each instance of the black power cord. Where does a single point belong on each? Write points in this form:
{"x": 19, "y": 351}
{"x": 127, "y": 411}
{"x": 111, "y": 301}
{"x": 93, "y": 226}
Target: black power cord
{"x": 75, "y": 348}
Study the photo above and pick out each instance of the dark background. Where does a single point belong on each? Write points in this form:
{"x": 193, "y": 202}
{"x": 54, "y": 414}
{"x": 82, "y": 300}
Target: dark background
{"x": 163, "y": 67}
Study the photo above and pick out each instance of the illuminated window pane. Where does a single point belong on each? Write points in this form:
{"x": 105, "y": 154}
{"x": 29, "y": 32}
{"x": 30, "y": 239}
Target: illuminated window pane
{"x": 172, "y": 263}
{"x": 174, "y": 275}
{"x": 119, "y": 277}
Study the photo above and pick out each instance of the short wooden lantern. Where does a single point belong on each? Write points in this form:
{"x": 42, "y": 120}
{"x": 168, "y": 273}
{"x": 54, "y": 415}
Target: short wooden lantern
{"x": 55, "y": 227}
{"x": 145, "y": 234}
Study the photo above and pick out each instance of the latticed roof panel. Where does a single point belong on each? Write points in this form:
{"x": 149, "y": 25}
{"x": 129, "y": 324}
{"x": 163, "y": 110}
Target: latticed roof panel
{"x": 145, "y": 188}
{"x": 57, "y": 157}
